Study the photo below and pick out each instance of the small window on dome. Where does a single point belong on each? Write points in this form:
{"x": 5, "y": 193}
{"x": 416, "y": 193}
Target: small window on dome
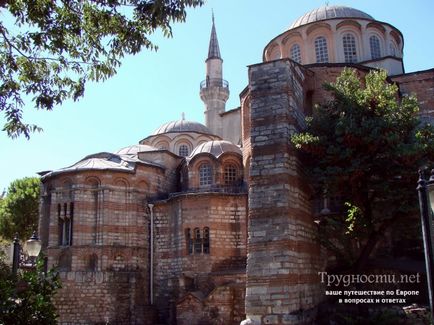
{"x": 162, "y": 146}
{"x": 350, "y": 52}
{"x": 392, "y": 49}
{"x": 183, "y": 150}
{"x": 321, "y": 50}
{"x": 230, "y": 174}
{"x": 296, "y": 53}
{"x": 374, "y": 43}
{"x": 205, "y": 175}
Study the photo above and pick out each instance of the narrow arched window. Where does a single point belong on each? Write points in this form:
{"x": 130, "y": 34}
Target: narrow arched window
{"x": 189, "y": 241}
{"x": 295, "y": 53}
{"x": 374, "y": 44}
{"x": 206, "y": 247}
{"x": 230, "y": 174}
{"x": 65, "y": 222}
{"x": 321, "y": 50}
{"x": 197, "y": 241}
{"x": 60, "y": 223}
{"x": 183, "y": 150}
{"x": 392, "y": 49}
{"x": 205, "y": 175}
{"x": 350, "y": 51}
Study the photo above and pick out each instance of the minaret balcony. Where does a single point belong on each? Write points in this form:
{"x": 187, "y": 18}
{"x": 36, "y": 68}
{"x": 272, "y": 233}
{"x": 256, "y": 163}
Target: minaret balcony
{"x": 214, "y": 82}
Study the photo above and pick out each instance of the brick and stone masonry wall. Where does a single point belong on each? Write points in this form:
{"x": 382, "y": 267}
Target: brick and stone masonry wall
{"x": 104, "y": 273}
{"x": 109, "y": 297}
{"x": 176, "y": 271}
{"x": 420, "y": 83}
{"x": 283, "y": 257}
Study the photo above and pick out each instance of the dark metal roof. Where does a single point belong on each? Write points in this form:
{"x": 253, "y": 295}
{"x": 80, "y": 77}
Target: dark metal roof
{"x": 135, "y": 149}
{"x": 215, "y": 148}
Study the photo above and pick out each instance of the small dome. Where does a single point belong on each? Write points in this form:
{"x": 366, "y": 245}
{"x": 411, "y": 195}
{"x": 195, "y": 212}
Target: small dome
{"x": 329, "y": 12}
{"x": 134, "y": 149}
{"x": 182, "y": 126}
{"x": 215, "y": 148}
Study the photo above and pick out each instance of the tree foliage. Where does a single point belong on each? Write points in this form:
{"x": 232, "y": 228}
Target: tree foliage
{"x": 19, "y": 209}
{"x": 26, "y": 298}
{"x": 49, "y": 49}
{"x": 364, "y": 146}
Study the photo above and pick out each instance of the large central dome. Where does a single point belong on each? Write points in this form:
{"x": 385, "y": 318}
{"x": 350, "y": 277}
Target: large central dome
{"x": 329, "y": 12}
{"x": 182, "y": 126}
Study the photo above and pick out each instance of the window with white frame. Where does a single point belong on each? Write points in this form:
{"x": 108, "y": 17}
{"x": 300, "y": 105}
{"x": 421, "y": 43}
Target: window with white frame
{"x": 295, "y": 53}
{"x": 349, "y": 45}
{"x": 205, "y": 174}
{"x": 374, "y": 44}
{"x": 321, "y": 50}
{"x": 183, "y": 150}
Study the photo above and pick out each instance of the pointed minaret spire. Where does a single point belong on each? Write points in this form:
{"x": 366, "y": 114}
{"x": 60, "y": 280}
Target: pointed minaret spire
{"x": 214, "y": 50}
{"x": 214, "y": 90}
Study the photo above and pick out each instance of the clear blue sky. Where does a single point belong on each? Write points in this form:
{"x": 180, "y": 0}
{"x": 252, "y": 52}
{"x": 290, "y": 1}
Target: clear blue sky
{"x": 153, "y": 88}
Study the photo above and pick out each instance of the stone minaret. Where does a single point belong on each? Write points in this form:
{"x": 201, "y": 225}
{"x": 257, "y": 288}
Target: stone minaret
{"x": 214, "y": 90}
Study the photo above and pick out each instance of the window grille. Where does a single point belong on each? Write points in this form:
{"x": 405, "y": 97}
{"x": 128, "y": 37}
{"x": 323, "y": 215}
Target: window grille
{"x": 350, "y": 52}
{"x": 295, "y": 53}
{"x": 321, "y": 50}
{"x": 205, "y": 175}
{"x": 230, "y": 174}
{"x": 374, "y": 44}
{"x": 183, "y": 150}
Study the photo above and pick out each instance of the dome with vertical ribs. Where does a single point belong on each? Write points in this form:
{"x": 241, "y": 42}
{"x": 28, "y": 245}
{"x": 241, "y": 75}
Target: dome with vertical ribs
{"x": 182, "y": 126}
{"x": 215, "y": 148}
{"x": 329, "y": 12}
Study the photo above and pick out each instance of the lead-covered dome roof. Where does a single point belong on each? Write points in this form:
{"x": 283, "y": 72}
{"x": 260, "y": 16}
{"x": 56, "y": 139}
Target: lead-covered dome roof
{"x": 135, "y": 149}
{"x": 329, "y": 12}
{"x": 215, "y": 148}
{"x": 182, "y": 126}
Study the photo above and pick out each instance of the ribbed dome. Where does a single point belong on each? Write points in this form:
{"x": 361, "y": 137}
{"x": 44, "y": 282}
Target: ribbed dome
{"x": 329, "y": 12}
{"x": 215, "y": 148}
{"x": 134, "y": 149}
{"x": 181, "y": 126}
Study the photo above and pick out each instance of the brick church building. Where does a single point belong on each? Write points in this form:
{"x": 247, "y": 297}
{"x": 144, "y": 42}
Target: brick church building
{"x": 214, "y": 223}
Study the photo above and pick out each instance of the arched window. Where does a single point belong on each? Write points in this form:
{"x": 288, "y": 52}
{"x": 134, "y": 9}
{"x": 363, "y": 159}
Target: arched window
{"x": 295, "y": 53}
{"x": 230, "y": 174}
{"x": 350, "y": 52}
{"x": 392, "y": 49}
{"x": 374, "y": 44}
{"x": 321, "y": 50}
{"x": 197, "y": 241}
{"x": 206, "y": 240}
{"x": 189, "y": 241}
{"x": 162, "y": 145}
{"x": 275, "y": 55}
{"x": 65, "y": 222}
{"x": 183, "y": 150}
{"x": 205, "y": 175}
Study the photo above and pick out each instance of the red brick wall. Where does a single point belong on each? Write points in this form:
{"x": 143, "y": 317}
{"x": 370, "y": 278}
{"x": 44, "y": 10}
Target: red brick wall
{"x": 421, "y": 84}
{"x": 176, "y": 271}
{"x": 105, "y": 272}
